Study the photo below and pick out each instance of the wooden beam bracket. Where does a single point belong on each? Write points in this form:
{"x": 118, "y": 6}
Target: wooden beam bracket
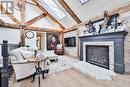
{"x": 68, "y": 9}
{"x": 35, "y": 19}
{"x": 10, "y": 15}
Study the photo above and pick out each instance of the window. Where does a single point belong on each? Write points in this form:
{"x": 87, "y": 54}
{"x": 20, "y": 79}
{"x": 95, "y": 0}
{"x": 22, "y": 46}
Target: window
{"x": 83, "y": 1}
{"x": 52, "y": 8}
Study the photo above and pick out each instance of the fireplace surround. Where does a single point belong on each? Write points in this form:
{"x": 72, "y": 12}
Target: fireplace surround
{"x": 108, "y": 44}
{"x": 115, "y": 43}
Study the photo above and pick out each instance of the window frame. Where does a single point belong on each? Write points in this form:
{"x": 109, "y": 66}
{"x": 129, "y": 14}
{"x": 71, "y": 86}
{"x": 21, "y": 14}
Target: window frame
{"x": 49, "y": 8}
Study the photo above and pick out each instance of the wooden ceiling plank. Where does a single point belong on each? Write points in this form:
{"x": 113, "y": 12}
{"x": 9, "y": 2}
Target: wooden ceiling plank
{"x": 41, "y": 7}
{"x": 35, "y": 19}
{"x": 68, "y": 9}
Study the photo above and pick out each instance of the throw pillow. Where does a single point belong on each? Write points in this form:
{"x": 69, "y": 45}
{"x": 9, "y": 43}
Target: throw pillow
{"x": 26, "y": 54}
{"x": 16, "y": 53}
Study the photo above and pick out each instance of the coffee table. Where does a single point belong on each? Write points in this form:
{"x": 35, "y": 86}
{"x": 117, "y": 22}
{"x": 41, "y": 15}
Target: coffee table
{"x": 38, "y": 68}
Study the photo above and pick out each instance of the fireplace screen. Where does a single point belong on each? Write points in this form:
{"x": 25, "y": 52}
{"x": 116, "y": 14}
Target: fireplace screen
{"x": 98, "y": 55}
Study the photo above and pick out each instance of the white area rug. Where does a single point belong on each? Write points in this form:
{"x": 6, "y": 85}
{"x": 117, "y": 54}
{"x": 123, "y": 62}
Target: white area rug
{"x": 65, "y": 62}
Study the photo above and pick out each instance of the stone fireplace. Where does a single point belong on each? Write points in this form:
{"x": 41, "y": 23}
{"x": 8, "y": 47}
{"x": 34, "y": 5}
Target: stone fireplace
{"x": 104, "y": 50}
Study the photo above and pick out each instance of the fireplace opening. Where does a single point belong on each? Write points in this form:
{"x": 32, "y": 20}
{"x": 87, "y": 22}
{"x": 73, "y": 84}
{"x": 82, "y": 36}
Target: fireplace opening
{"x": 98, "y": 55}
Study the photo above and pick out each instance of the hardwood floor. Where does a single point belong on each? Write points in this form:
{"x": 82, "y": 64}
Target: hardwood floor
{"x": 73, "y": 78}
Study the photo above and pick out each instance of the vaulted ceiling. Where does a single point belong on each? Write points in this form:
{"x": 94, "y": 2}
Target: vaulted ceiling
{"x": 32, "y": 15}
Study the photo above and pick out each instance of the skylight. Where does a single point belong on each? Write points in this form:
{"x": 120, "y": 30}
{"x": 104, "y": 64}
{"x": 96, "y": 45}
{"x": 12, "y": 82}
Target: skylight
{"x": 83, "y": 1}
{"x": 52, "y": 8}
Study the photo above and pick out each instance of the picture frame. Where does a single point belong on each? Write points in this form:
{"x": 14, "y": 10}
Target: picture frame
{"x": 52, "y": 40}
{"x": 38, "y": 43}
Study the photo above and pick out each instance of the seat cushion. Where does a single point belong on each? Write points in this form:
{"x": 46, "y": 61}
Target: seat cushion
{"x": 49, "y": 54}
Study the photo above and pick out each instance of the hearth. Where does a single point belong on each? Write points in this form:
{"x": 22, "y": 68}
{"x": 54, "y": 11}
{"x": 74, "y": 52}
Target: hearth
{"x": 98, "y": 55}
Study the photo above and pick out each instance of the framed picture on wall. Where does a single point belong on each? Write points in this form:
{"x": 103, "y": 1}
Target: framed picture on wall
{"x": 52, "y": 40}
{"x": 39, "y": 42}
{"x": 83, "y": 1}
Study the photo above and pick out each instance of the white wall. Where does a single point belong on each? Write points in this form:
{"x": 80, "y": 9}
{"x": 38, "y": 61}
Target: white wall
{"x": 72, "y": 51}
{"x": 12, "y": 35}
{"x": 126, "y": 17}
{"x": 32, "y": 42}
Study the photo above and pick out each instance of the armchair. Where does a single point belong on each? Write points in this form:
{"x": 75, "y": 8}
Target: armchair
{"x": 23, "y": 68}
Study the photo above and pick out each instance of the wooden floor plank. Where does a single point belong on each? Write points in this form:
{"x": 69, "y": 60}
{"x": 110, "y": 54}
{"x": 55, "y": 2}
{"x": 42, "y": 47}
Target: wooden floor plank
{"x": 74, "y": 78}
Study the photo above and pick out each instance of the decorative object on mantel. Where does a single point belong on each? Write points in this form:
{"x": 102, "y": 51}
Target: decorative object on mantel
{"x": 106, "y": 19}
{"x": 91, "y": 27}
{"x": 110, "y": 23}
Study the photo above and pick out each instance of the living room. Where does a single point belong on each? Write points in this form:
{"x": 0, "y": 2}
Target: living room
{"x": 64, "y": 40}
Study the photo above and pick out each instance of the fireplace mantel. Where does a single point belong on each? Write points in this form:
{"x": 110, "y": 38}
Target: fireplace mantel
{"x": 110, "y": 34}
{"x": 118, "y": 47}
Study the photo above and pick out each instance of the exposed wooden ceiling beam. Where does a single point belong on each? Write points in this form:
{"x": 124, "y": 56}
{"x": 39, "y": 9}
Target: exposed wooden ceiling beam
{"x": 10, "y": 15}
{"x": 44, "y": 10}
{"x": 69, "y": 30}
{"x": 22, "y": 8}
{"x": 71, "y": 13}
{"x": 8, "y": 25}
{"x": 43, "y": 29}
{"x": 119, "y": 10}
{"x": 122, "y": 9}
{"x": 35, "y": 19}
{"x": 16, "y": 26}
{"x": 30, "y": 3}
